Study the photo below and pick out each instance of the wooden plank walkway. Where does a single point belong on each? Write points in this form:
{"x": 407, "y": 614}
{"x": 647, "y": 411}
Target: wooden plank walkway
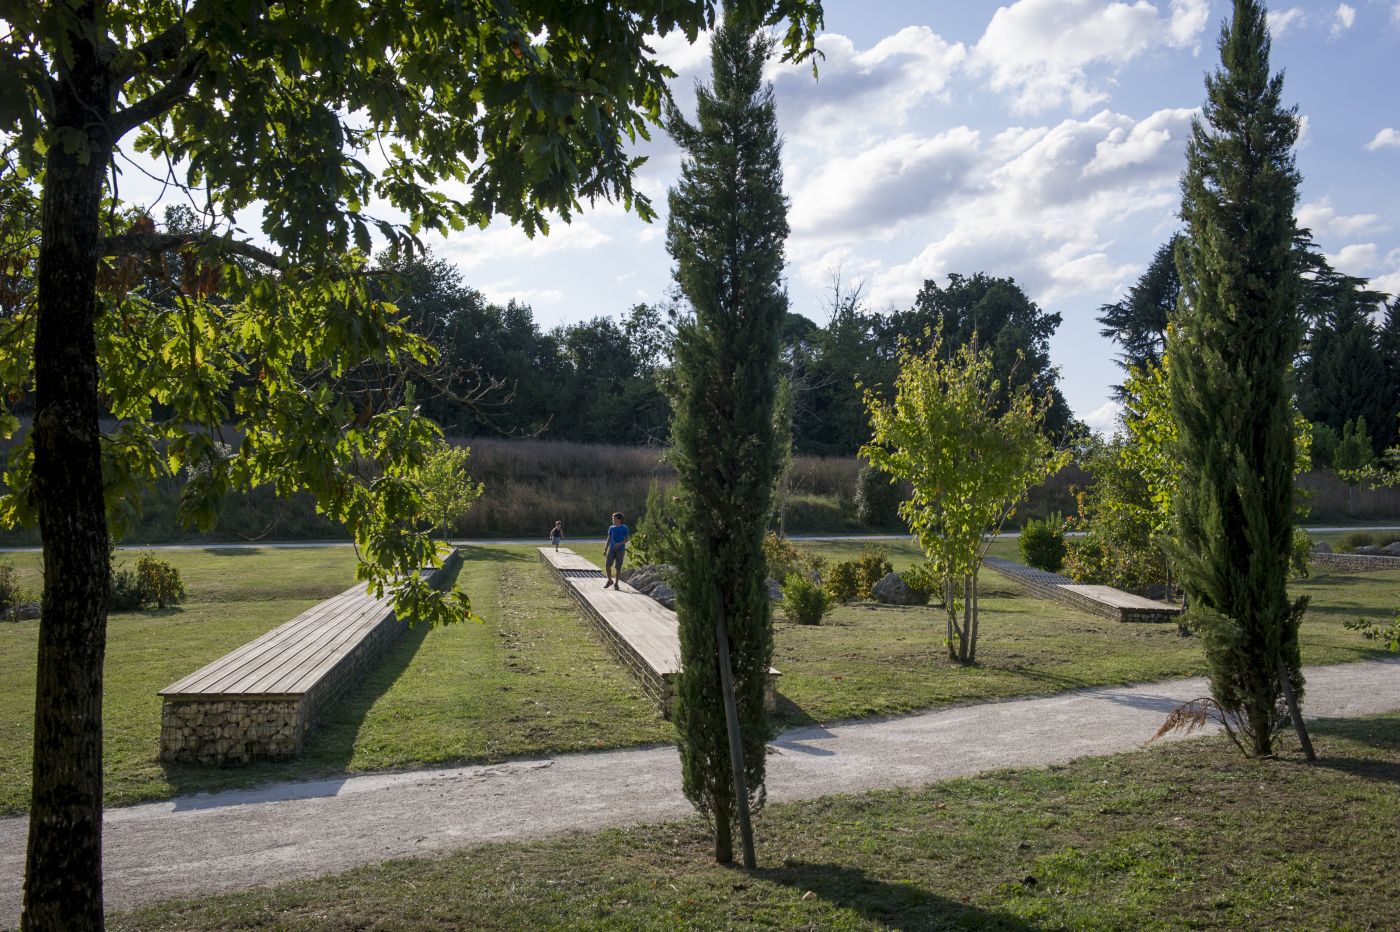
{"x": 641, "y": 632}
{"x": 1099, "y": 600}
{"x": 260, "y": 700}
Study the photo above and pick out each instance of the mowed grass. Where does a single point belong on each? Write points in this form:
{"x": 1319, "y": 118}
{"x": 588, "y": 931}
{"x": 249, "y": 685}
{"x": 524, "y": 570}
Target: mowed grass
{"x": 530, "y": 679}
{"x": 869, "y": 659}
{"x": 533, "y": 678}
{"x": 1190, "y": 835}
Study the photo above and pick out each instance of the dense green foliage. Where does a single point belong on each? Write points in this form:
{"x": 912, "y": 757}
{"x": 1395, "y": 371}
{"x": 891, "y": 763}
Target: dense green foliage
{"x": 448, "y": 489}
{"x": 1230, "y": 355}
{"x": 804, "y": 602}
{"x": 158, "y": 582}
{"x": 971, "y": 452}
{"x": 877, "y": 498}
{"x": 727, "y": 227}
{"x": 1138, "y": 322}
{"x": 850, "y": 580}
{"x": 1042, "y": 543}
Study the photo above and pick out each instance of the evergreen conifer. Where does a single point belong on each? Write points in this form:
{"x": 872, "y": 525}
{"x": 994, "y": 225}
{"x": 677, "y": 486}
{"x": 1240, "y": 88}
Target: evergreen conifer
{"x": 727, "y": 226}
{"x": 1237, "y": 330}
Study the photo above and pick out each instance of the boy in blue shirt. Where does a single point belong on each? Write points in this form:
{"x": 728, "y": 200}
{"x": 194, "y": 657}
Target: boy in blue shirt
{"x": 615, "y": 547}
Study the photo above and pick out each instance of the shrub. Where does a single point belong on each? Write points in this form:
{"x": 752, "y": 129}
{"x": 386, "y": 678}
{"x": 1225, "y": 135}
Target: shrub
{"x": 126, "y": 591}
{"x": 654, "y": 537}
{"x": 158, "y": 582}
{"x": 804, "y": 602}
{"x": 1298, "y": 556}
{"x": 877, "y": 498}
{"x": 1367, "y": 539}
{"x": 923, "y": 582}
{"x": 871, "y": 567}
{"x": 1043, "y": 544}
{"x": 9, "y": 588}
{"x": 852, "y": 579}
{"x": 841, "y": 583}
{"x": 784, "y": 558}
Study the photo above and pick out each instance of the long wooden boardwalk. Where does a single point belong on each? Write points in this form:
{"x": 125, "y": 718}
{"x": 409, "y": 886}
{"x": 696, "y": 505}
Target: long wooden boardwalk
{"x": 1098, "y": 600}
{"x": 642, "y": 633}
{"x": 260, "y": 700}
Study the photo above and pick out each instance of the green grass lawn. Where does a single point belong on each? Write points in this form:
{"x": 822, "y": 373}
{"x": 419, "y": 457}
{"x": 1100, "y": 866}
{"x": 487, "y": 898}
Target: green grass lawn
{"x": 1190, "y": 835}
{"x": 534, "y": 679}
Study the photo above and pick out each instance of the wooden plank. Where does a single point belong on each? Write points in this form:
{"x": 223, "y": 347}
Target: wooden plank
{"x": 1118, "y": 598}
{"x": 251, "y": 653}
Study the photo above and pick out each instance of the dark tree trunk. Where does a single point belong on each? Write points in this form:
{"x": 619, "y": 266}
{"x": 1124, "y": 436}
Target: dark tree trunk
{"x": 63, "y": 874}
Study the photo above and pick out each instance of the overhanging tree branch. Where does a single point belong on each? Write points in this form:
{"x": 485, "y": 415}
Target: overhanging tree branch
{"x": 137, "y": 242}
{"x": 159, "y": 101}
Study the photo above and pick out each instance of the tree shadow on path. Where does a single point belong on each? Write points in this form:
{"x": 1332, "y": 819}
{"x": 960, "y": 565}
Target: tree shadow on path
{"x": 892, "y": 905}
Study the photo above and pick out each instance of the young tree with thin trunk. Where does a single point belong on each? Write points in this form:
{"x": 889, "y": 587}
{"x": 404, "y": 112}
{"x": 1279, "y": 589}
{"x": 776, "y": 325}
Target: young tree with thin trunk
{"x": 527, "y": 104}
{"x": 726, "y": 232}
{"x": 971, "y": 451}
{"x": 1230, "y": 352}
{"x": 448, "y": 489}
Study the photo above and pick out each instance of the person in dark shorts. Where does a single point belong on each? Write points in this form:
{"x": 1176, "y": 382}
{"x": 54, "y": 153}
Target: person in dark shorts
{"x": 615, "y": 547}
{"x": 557, "y": 535}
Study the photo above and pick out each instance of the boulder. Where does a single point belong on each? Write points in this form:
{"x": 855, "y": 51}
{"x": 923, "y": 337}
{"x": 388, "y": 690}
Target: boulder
{"x": 665, "y": 595}
{"x": 891, "y": 590}
{"x": 1321, "y": 547}
{"x": 1369, "y": 550}
{"x": 775, "y": 591}
{"x": 1392, "y": 549}
{"x": 27, "y": 610}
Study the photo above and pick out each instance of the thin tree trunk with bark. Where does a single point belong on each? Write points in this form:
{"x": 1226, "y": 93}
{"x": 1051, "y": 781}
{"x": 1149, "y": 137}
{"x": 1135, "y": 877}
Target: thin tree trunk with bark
{"x": 63, "y": 871}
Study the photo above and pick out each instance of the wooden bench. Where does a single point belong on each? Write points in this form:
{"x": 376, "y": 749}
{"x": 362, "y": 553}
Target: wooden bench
{"x": 642, "y": 633}
{"x": 1097, "y": 600}
{"x": 259, "y": 702}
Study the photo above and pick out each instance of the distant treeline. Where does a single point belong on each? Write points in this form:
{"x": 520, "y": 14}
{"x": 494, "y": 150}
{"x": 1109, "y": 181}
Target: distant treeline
{"x": 604, "y": 380}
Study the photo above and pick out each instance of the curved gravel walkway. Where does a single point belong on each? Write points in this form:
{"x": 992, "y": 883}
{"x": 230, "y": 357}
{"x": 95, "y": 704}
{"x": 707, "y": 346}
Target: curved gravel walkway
{"x": 225, "y": 841}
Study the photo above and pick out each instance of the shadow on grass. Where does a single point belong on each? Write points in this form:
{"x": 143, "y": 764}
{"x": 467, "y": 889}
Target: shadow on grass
{"x": 233, "y": 551}
{"x": 475, "y": 553}
{"x": 1381, "y": 733}
{"x": 788, "y": 715}
{"x": 330, "y": 746}
{"x": 892, "y": 905}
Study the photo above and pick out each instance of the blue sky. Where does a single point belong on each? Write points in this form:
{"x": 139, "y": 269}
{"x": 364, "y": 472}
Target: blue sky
{"x": 1040, "y": 139}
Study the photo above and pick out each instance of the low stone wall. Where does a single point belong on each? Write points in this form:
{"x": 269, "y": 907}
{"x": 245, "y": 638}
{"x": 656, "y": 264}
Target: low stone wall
{"x": 231, "y": 729}
{"x": 1355, "y": 562}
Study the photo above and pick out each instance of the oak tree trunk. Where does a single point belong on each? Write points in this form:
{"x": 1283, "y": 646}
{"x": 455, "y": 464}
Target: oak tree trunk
{"x": 63, "y": 872}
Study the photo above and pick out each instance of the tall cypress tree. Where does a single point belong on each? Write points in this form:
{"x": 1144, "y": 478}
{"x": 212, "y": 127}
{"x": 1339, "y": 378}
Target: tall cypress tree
{"x": 728, "y": 223}
{"x": 1236, "y": 333}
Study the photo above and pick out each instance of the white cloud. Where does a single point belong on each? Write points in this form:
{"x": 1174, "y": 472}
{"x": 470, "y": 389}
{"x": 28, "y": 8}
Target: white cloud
{"x": 1356, "y": 259}
{"x": 477, "y": 248}
{"x": 1387, "y": 138}
{"x": 1343, "y": 18}
{"x": 1188, "y": 21}
{"x": 1323, "y": 220}
{"x": 1050, "y": 53}
{"x": 1104, "y": 419}
{"x": 1395, "y": 16}
{"x": 858, "y": 91}
{"x": 1043, "y": 210}
{"x": 1281, "y": 21}
{"x": 889, "y": 182}
{"x": 503, "y": 292}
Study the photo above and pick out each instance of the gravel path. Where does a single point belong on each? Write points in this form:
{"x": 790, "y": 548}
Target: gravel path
{"x": 226, "y": 841}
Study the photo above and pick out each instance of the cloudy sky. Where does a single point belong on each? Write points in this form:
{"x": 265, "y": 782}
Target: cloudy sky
{"x": 1040, "y": 139}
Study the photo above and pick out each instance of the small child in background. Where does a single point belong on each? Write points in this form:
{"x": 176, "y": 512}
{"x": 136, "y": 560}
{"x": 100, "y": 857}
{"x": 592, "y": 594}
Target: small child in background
{"x": 557, "y": 534}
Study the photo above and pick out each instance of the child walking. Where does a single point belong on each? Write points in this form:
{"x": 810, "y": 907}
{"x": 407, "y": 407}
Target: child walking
{"x": 557, "y": 535}
{"x": 614, "y": 548}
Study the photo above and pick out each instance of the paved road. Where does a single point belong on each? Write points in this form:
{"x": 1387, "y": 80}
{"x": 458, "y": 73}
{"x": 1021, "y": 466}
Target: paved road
{"x": 486, "y": 542}
{"x": 226, "y": 841}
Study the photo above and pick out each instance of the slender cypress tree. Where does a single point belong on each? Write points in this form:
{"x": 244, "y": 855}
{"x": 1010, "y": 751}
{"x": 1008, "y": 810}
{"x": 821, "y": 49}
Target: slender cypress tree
{"x": 728, "y": 223}
{"x": 1230, "y": 353}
